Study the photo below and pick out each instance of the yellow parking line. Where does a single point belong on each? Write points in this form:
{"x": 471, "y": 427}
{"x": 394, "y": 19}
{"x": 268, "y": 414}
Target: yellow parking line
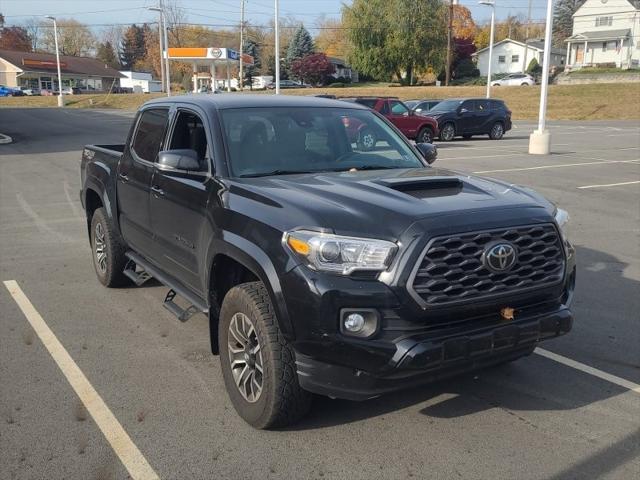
{"x": 610, "y": 185}
{"x": 122, "y": 445}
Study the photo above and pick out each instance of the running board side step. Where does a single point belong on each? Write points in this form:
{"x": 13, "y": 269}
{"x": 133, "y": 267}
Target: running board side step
{"x": 196, "y": 304}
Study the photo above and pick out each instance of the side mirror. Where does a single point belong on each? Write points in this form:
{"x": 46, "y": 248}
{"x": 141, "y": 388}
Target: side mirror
{"x": 462, "y": 110}
{"x": 181, "y": 159}
{"x": 428, "y": 151}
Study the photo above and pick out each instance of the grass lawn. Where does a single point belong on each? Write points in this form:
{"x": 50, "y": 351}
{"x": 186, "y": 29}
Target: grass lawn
{"x": 566, "y": 102}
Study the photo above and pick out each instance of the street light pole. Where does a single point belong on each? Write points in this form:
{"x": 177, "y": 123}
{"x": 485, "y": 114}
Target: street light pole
{"x": 55, "y": 35}
{"x": 164, "y": 54}
{"x": 493, "y": 21}
{"x": 277, "y": 29}
{"x": 540, "y": 139}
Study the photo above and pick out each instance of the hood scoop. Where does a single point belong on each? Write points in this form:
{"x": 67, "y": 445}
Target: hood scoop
{"x": 425, "y": 187}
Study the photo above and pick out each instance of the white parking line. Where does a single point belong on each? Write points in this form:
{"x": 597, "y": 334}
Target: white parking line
{"x": 610, "y": 185}
{"x": 122, "y": 445}
{"x": 542, "y": 167}
{"x": 621, "y": 382}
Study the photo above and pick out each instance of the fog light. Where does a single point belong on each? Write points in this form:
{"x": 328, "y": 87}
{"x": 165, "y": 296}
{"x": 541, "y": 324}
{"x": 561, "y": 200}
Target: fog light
{"x": 359, "y": 322}
{"x": 354, "y": 322}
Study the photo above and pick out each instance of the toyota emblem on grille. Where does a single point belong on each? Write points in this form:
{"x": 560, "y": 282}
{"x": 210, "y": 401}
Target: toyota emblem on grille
{"x": 500, "y": 257}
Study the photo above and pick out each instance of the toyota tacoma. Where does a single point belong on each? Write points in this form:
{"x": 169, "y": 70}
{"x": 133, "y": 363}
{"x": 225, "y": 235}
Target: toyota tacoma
{"x": 323, "y": 268}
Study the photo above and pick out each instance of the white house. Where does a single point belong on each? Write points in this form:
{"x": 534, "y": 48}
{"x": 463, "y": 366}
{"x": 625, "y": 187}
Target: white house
{"x": 342, "y": 69}
{"x": 140, "y": 82}
{"x": 605, "y": 33}
{"x": 511, "y": 56}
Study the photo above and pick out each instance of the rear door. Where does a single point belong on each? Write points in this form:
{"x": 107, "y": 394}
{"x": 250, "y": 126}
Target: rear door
{"x": 135, "y": 171}
{"x": 466, "y": 118}
{"x": 179, "y": 202}
{"x": 482, "y": 116}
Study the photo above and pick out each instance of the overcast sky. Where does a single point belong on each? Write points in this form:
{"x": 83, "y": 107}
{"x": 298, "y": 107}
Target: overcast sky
{"x": 214, "y": 12}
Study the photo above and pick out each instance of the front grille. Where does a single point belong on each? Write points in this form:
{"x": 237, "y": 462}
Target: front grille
{"x": 452, "y": 271}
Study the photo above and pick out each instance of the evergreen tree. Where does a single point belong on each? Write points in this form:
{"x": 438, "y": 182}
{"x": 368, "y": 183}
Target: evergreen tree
{"x": 107, "y": 55}
{"x": 563, "y": 19}
{"x": 133, "y": 47}
{"x": 300, "y": 46}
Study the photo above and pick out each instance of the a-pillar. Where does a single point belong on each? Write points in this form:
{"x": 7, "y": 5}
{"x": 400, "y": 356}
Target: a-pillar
{"x": 195, "y": 78}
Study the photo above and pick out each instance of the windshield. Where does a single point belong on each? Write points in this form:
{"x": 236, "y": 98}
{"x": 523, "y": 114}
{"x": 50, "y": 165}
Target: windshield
{"x": 279, "y": 141}
{"x": 446, "y": 106}
{"x": 412, "y": 103}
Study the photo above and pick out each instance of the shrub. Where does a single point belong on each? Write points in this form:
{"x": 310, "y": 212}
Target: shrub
{"x": 534, "y": 67}
{"x": 466, "y": 68}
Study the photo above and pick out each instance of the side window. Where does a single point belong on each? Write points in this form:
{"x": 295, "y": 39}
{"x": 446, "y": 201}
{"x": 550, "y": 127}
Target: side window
{"x": 398, "y": 108}
{"x": 189, "y": 133}
{"x": 150, "y": 132}
{"x": 385, "y": 108}
{"x": 468, "y": 105}
{"x": 482, "y": 105}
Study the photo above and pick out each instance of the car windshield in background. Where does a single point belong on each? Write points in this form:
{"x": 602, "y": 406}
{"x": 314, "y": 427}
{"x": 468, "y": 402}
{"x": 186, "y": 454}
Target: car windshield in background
{"x": 446, "y": 106}
{"x": 280, "y": 141}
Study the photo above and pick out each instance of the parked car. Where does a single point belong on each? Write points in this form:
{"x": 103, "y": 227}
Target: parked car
{"x": 288, "y": 84}
{"x": 65, "y": 91}
{"x": 323, "y": 268}
{"x": 421, "y": 106}
{"x": 415, "y": 127}
{"x": 520, "y": 79}
{"x": 10, "y": 91}
{"x": 47, "y": 93}
{"x": 29, "y": 91}
{"x": 465, "y": 117}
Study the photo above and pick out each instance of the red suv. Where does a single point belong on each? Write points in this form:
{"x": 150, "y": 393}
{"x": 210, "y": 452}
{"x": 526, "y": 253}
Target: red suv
{"x": 420, "y": 128}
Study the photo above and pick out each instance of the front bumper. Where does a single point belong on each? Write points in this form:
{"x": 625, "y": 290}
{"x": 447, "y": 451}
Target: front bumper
{"x": 425, "y": 359}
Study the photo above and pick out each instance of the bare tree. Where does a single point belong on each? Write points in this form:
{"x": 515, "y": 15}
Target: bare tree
{"x": 176, "y": 17}
{"x": 74, "y": 38}
{"x": 34, "y": 29}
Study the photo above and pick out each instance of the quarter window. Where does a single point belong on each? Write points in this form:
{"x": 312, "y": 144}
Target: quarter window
{"x": 150, "y": 133}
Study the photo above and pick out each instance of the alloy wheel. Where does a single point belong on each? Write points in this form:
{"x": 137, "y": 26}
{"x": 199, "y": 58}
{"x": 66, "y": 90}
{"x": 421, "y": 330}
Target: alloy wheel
{"x": 100, "y": 247}
{"x": 497, "y": 131}
{"x": 245, "y": 357}
{"x": 448, "y": 132}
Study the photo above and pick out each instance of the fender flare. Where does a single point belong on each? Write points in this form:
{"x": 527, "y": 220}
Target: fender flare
{"x": 252, "y": 257}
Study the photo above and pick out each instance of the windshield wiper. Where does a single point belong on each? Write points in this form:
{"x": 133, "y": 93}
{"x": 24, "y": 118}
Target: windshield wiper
{"x": 365, "y": 167}
{"x": 274, "y": 173}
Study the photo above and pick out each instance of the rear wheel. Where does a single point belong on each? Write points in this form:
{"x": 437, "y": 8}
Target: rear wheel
{"x": 108, "y": 251}
{"x": 497, "y": 131}
{"x": 448, "y": 132}
{"x": 524, "y": 84}
{"x": 367, "y": 140}
{"x": 425, "y": 135}
{"x": 257, "y": 363}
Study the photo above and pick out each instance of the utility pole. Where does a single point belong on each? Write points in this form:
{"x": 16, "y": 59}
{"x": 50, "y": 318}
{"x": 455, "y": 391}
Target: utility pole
{"x": 526, "y": 39}
{"x": 55, "y": 35}
{"x": 241, "y": 84}
{"x": 449, "y": 33}
{"x": 277, "y": 32}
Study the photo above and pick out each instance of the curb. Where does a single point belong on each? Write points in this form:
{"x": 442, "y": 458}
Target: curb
{"x": 5, "y": 139}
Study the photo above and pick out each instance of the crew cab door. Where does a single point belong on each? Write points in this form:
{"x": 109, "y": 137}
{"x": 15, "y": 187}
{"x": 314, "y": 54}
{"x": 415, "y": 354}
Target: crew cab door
{"x": 483, "y": 116}
{"x": 401, "y": 118}
{"x": 135, "y": 171}
{"x": 179, "y": 202}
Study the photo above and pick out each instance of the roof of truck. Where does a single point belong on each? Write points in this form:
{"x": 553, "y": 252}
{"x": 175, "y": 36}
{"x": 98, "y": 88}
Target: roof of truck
{"x": 238, "y": 100}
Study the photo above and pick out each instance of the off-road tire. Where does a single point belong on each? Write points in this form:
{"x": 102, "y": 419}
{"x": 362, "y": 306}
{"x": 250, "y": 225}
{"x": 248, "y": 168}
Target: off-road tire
{"x": 281, "y": 402}
{"x": 425, "y": 135}
{"x": 110, "y": 272}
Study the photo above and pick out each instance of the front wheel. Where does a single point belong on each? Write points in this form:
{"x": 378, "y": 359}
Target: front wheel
{"x": 258, "y": 365}
{"x": 497, "y": 131}
{"x": 448, "y": 132}
{"x": 425, "y": 136}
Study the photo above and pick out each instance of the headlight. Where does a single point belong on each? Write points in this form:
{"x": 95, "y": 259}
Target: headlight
{"x": 562, "y": 219}
{"x": 338, "y": 254}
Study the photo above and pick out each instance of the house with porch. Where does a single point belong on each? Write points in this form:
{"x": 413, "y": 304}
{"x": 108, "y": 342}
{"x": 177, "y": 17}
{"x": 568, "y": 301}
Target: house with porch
{"x": 606, "y": 33}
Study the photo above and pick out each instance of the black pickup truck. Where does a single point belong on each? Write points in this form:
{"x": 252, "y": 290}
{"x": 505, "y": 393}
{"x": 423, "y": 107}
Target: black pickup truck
{"x": 323, "y": 268}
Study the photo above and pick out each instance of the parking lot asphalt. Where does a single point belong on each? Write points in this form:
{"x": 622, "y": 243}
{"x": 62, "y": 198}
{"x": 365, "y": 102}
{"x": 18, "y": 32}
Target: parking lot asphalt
{"x": 535, "y": 418}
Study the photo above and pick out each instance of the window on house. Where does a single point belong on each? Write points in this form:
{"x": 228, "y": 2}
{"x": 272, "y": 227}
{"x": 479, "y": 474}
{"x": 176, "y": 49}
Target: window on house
{"x": 604, "y": 46}
{"x": 515, "y": 58}
{"x": 502, "y": 59}
{"x": 604, "y": 21}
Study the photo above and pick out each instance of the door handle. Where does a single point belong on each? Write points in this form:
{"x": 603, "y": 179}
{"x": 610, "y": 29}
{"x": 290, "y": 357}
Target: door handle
{"x": 157, "y": 191}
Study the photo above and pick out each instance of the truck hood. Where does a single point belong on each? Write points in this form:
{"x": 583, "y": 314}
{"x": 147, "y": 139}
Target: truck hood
{"x": 380, "y": 203}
